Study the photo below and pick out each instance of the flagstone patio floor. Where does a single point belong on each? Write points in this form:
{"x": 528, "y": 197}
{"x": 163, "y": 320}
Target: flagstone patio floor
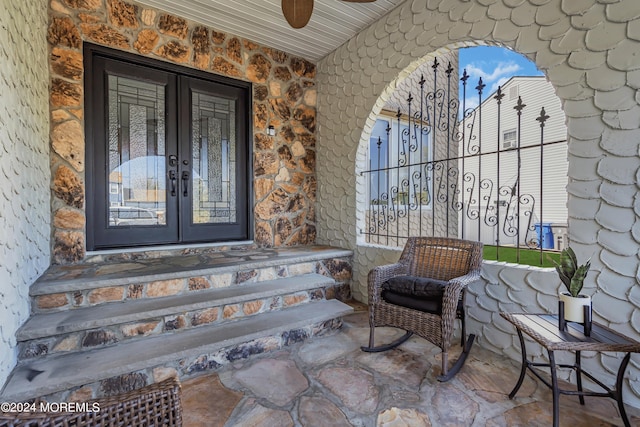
{"x": 329, "y": 381}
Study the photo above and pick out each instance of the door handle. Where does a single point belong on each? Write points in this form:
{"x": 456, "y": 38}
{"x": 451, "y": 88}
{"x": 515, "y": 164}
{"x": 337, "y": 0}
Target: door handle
{"x": 172, "y": 177}
{"x": 185, "y": 183}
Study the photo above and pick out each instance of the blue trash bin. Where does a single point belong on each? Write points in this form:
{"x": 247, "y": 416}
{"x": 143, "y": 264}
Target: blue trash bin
{"x": 545, "y": 235}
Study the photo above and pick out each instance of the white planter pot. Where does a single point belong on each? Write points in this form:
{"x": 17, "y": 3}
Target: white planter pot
{"x": 573, "y": 307}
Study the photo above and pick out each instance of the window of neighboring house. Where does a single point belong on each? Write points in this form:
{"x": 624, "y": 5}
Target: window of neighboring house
{"x": 510, "y": 139}
{"x": 399, "y": 154}
{"x": 514, "y": 92}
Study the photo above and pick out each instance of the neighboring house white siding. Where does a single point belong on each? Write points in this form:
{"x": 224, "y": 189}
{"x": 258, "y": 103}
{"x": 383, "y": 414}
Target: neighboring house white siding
{"x": 548, "y": 197}
{"x": 24, "y": 165}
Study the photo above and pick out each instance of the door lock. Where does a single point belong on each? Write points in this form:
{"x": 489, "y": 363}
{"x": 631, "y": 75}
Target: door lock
{"x": 173, "y": 160}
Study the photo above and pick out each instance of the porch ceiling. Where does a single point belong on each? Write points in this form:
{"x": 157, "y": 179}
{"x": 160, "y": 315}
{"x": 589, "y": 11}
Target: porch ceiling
{"x": 333, "y": 21}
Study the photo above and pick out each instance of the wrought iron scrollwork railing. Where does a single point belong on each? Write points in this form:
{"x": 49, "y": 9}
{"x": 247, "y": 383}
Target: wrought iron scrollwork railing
{"x": 431, "y": 172}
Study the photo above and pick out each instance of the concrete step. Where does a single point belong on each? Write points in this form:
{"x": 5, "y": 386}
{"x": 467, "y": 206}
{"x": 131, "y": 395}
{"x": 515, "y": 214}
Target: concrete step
{"x": 80, "y": 277}
{"x": 118, "y": 313}
{"x": 55, "y": 373}
{"x": 109, "y": 324}
{"x": 69, "y": 287}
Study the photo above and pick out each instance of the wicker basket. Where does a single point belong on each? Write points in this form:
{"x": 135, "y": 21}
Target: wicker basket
{"x": 155, "y": 405}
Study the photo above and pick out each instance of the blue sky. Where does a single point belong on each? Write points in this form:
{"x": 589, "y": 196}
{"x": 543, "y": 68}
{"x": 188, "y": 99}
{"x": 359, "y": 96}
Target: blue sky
{"x": 495, "y": 65}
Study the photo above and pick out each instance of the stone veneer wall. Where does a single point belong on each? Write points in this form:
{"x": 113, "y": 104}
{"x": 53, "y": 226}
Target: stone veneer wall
{"x": 24, "y": 165}
{"x": 590, "y": 52}
{"x": 284, "y": 96}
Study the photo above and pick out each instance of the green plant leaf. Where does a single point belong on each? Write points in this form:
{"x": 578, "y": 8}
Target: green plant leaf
{"x": 571, "y": 275}
{"x": 568, "y": 263}
{"x": 574, "y": 259}
{"x": 575, "y": 287}
{"x": 577, "y": 281}
{"x": 564, "y": 278}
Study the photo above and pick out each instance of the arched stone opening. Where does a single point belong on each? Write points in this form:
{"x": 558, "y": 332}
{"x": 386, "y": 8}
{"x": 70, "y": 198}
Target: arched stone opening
{"x": 363, "y": 146}
{"x": 589, "y": 51}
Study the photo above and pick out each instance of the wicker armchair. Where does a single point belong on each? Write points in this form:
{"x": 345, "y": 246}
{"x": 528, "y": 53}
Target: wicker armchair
{"x": 155, "y": 405}
{"x": 423, "y": 294}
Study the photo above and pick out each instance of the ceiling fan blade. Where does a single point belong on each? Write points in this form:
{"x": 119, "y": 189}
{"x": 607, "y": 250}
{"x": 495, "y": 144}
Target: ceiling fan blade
{"x": 297, "y": 12}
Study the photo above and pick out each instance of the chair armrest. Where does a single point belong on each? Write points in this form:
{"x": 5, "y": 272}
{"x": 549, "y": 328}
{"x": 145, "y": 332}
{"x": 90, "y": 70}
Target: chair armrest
{"x": 379, "y": 275}
{"x": 450, "y": 302}
{"x": 453, "y": 290}
{"x": 467, "y": 279}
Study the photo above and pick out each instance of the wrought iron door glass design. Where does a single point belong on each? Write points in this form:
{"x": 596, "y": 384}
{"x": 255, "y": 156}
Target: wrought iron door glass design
{"x": 136, "y": 153}
{"x": 214, "y": 154}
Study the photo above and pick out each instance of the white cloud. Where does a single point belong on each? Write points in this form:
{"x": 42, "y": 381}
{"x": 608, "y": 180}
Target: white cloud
{"x": 500, "y": 70}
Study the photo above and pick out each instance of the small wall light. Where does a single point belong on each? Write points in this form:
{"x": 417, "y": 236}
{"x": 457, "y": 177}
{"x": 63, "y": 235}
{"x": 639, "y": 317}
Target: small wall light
{"x": 271, "y": 131}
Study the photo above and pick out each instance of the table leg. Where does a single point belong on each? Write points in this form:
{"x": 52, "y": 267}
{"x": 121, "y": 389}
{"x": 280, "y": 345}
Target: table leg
{"x": 555, "y": 389}
{"x": 618, "y": 391}
{"x": 523, "y": 369}
{"x": 579, "y": 378}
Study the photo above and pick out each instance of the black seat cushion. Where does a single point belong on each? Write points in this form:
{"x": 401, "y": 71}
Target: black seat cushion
{"x": 418, "y": 293}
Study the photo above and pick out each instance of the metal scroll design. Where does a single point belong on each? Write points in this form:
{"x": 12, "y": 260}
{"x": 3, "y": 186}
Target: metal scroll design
{"x": 438, "y": 179}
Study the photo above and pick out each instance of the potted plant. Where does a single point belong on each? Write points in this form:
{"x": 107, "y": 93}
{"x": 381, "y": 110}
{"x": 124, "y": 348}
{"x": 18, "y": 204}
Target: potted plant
{"x": 572, "y": 276}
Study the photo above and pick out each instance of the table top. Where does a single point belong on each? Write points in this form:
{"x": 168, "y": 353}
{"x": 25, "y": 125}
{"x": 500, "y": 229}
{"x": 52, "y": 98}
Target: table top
{"x": 543, "y": 328}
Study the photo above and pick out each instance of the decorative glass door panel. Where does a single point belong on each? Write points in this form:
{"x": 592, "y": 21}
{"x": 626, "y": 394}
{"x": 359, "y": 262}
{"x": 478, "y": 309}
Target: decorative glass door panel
{"x": 214, "y": 159}
{"x": 215, "y": 200}
{"x": 167, "y": 153}
{"x": 136, "y": 157}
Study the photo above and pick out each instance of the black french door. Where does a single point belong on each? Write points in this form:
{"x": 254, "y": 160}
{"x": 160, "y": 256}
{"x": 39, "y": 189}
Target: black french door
{"x": 167, "y": 153}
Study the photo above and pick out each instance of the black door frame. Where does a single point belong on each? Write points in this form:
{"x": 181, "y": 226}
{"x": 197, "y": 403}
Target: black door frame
{"x": 244, "y": 171}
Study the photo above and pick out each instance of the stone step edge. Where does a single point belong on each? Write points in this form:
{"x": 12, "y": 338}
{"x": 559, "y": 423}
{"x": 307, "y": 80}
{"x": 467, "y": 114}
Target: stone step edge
{"x": 81, "y": 319}
{"x": 56, "y": 373}
{"x": 150, "y": 252}
{"x": 46, "y": 287}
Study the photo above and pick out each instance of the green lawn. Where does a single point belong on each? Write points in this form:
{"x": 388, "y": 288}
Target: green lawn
{"x": 527, "y": 256}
